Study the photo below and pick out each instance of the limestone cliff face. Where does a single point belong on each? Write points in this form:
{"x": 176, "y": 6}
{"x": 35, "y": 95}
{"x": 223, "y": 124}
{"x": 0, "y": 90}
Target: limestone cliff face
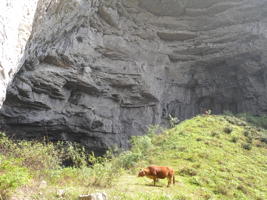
{"x": 16, "y": 19}
{"x": 100, "y": 71}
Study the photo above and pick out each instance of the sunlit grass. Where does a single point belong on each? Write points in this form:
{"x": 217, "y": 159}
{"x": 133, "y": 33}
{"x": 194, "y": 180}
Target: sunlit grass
{"x": 215, "y": 157}
{"x": 208, "y": 163}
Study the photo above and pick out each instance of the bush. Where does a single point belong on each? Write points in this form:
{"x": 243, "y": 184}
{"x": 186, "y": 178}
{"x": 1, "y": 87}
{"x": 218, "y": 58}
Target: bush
{"x": 37, "y": 156}
{"x": 242, "y": 188}
{"x": 188, "y": 171}
{"x": 234, "y": 139}
{"x": 246, "y": 133}
{"x": 173, "y": 121}
{"x": 222, "y": 189}
{"x": 33, "y": 155}
{"x": 72, "y": 154}
{"x": 12, "y": 176}
{"x": 247, "y": 146}
{"x": 128, "y": 159}
{"x": 260, "y": 121}
{"x": 228, "y": 130}
{"x": 214, "y": 134}
{"x": 263, "y": 140}
{"x": 249, "y": 140}
{"x": 141, "y": 144}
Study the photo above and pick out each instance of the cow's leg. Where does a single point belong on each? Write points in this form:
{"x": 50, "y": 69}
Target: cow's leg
{"x": 154, "y": 179}
{"x": 169, "y": 181}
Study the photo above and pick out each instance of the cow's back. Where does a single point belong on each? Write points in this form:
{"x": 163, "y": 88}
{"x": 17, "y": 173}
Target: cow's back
{"x": 160, "y": 171}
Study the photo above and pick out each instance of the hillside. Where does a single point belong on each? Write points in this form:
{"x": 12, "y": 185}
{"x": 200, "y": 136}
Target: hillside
{"x": 212, "y": 159}
{"x": 215, "y": 157}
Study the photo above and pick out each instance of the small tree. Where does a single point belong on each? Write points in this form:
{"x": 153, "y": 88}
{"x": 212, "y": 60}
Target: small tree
{"x": 173, "y": 121}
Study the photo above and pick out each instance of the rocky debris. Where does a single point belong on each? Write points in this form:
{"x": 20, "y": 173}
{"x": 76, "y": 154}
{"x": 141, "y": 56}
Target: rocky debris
{"x": 98, "y": 72}
{"x": 43, "y": 184}
{"x": 61, "y": 193}
{"x": 95, "y": 196}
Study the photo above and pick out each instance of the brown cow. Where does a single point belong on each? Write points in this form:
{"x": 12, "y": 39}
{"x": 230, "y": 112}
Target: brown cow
{"x": 156, "y": 172}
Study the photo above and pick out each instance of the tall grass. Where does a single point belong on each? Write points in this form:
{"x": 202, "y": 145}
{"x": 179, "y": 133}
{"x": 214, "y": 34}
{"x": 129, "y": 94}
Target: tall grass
{"x": 64, "y": 163}
{"x": 215, "y": 157}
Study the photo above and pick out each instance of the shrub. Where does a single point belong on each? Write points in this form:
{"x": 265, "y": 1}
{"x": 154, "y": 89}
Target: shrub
{"x": 34, "y": 155}
{"x": 242, "y": 188}
{"x": 228, "y": 130}
{"x": 221, "y": 189}
{"x": 12, "y": 176}
{"x": 234, "y": 139}
{"x": 246, "y": 133}
{"x": 214, "y": 134}
{"x": 72, "y": 154}
{"x": 173, "y": 121}
{"x": 260, "y": 121}
{"x": 188, "y": 171}
{"x": 228, "y": 113}
{"x": 141, "y": 144}
{"x": 128, "y": 159}
{"x": 180, "y": 197}
{"x": 263, "y": 140}
{"x": 247, "y": 146}
{"x": 37, "y": 155}
{"x": 249, "y": 140}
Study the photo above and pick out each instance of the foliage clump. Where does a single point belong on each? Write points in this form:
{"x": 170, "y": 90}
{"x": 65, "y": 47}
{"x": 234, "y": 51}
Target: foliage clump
{"x": 206, "y": 162}
{"x": 12, "y": 176}
{"x": 228, "y": 130}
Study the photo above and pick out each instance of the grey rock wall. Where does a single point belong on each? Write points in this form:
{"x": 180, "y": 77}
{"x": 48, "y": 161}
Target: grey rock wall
{"x": 98, "y": 72}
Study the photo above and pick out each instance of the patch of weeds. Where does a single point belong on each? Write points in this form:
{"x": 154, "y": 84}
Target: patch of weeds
{"x": 190, "y": 158}
{"x": 260, "y": 121}
{"x": 249, "y": 140}
{"x": 214, "y": 134}
{"x": 263, "y": 140}
{"x": 243, "y": 189}
{"x": 12, "y": 176}
{"x": 234, "y": 139}
{"x": 203, "y": 155}
{"x": 186, "y": 171}
{"x": 247, "y": 146}
{"x": 196, "y": 166}
{"x": 246, "y": 133}
{"x": 72, "y": 154}
{"x": 222, "y": 189}
{"x": 195, "y": 181}
{"x": 180, "y": 197}
{"x": 181, "y": 149}
{"x": 228, "y": 130}
{"x": 182, "y": 133}
{"x": 173, "y": 121}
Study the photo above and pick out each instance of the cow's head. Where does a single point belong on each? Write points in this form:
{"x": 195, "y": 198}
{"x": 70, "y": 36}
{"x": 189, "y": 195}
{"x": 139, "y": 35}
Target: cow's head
{"x": 142, "y": 173}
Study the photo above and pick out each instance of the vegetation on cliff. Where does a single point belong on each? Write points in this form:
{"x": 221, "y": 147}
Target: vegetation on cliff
{"x": 215, "y": 157}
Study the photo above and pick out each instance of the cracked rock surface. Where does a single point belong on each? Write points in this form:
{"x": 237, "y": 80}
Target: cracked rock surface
{"x": 98, "y": 72}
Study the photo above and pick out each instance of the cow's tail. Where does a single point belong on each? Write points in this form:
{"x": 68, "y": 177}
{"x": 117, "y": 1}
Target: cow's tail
{"x": 173, "y": 179}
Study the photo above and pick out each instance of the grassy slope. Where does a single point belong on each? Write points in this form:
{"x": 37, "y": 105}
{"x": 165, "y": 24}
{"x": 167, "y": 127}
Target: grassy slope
{"x": 209, "y": 163}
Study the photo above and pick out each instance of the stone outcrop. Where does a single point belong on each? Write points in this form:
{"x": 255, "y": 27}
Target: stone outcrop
{"x": 16, "y": 19}
{"x": 98, "y": 72}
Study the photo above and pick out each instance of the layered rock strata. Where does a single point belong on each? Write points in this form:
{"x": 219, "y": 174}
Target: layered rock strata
{"x": 98, "y": 72}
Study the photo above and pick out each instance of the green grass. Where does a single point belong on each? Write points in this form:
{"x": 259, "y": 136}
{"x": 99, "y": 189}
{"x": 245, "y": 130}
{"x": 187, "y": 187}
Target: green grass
{"x": 214, "y": 157}
{"x": 209, "y": 164}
